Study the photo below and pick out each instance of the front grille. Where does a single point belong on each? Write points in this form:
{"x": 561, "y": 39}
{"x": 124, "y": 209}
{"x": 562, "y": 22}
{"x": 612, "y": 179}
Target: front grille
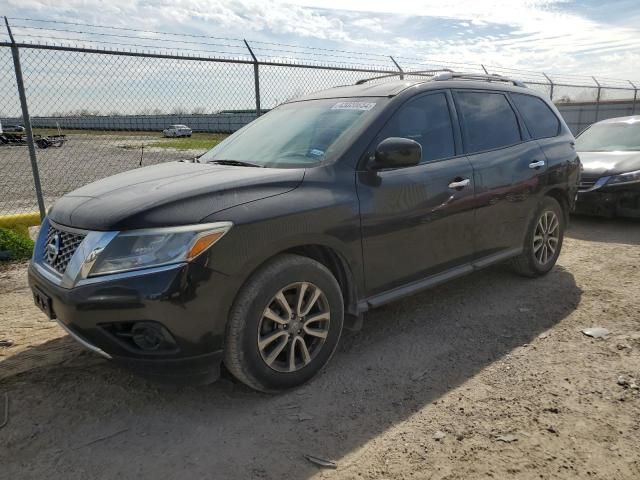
{"x": 60, "y": 247}
{"x": 585, "y": 184}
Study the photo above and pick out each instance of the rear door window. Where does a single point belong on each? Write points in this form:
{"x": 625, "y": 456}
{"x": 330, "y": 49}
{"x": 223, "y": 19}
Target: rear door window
{"x": 488, "y": 120}
{"x": 427, "y": 120}
{"x": 538, "y": 117}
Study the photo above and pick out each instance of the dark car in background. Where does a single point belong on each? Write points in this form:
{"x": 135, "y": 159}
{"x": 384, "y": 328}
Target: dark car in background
{"x": 257, "y": 254}
{"x": 13, "y": 129}
{"x": 610, "y": 155}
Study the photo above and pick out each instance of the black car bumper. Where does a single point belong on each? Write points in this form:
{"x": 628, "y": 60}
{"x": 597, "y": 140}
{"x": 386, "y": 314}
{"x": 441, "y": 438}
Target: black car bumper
{"x": 167, "y": 325}
{"x": 611, "y": 202}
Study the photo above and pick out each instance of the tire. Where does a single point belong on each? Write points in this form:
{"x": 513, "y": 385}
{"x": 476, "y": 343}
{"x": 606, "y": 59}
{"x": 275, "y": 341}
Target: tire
{"x": 533, "y": 262}
{"x": 281, "y": 280}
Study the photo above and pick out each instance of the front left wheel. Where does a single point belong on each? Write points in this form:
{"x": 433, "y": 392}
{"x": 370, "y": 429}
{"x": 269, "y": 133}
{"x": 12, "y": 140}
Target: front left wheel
{"x": 285, "y": 324}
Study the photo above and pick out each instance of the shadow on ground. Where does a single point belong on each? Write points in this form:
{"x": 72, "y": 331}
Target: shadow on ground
{"x": 89, "y": 420}
{"x": 605, "y": 230}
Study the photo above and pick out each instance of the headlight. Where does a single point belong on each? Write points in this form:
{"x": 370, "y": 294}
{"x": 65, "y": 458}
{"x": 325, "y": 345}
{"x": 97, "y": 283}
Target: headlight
{"x": 630, "y": 177}
{"x": 155, "y": 247}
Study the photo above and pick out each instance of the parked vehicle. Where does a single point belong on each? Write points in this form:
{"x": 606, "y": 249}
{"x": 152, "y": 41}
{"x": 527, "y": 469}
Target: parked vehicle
{"x": 260, "y": 251}
{"x": 20, "y": 139}
{"x": 13, "y": 129}
{"x": 177, "y": 131}
{"x": 610, "y": 153}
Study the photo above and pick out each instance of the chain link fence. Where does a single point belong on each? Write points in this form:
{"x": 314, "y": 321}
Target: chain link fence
{"x": 98, "y": 98}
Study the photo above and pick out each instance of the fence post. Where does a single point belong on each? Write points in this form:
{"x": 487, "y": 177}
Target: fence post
{"x": 550, "y": 86}
{"x": 635, "y": 97}
{"x": 398, "y": 67}
{"x": 27, "y": 120}
{"x": 598, "y": 98}
{"x": 256, "y": 78}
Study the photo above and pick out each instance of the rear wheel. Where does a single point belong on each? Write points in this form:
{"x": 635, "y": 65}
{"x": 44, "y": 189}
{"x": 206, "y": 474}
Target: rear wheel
{"x": 543, "y": 241}
{"x": 285, "y": 324}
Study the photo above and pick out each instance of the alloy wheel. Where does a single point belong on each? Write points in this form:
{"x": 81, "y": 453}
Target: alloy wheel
{"x": 294, "y": 327}
{"x": 546, "y": 237}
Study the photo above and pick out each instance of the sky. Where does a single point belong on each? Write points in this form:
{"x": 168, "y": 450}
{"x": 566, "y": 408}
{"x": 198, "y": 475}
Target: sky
{"x": 570, "y": 40}
{"x": 585, "y": 37}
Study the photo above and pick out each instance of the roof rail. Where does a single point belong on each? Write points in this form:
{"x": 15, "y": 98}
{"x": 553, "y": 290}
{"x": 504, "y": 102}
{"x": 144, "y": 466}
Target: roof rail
{"x": 493, "y": 77}
{"x": 426, "y": 73}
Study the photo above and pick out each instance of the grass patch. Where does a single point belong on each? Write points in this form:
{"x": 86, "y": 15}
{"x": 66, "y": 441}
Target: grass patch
{"x": 198, "y": 141}
{"x": 114, "y": 133}
{"x": 14, "y": 246}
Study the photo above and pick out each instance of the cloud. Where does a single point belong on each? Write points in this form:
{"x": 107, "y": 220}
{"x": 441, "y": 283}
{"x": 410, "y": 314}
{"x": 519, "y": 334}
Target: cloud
{"x": 543, "y": 34}
{"x": 373, "y": 24}
{"x": 551, "y": 35}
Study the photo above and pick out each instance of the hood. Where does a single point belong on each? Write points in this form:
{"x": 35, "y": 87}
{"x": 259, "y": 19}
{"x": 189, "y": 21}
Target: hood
{"x": 176, "y": 193}
{"x": 600, "y": 164}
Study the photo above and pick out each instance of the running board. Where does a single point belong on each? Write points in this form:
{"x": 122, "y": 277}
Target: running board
{"x": 437, "y": 279}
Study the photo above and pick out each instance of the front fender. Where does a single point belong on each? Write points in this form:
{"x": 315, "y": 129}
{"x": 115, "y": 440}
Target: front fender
{"x": 306, "y": 216}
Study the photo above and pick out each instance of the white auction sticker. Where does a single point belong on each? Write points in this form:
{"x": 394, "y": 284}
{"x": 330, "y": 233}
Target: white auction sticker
{"x": 353, "y": 106}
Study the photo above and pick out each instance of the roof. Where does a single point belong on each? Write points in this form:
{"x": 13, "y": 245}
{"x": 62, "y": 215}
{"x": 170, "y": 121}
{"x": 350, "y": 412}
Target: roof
{"x": 629, "y": 119}
{"x": 383, "y": 89}
{"x": 394, "y": 87}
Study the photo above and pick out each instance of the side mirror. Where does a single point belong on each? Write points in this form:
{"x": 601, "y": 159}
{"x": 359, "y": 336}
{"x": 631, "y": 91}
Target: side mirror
{"x": 396, "y": 152}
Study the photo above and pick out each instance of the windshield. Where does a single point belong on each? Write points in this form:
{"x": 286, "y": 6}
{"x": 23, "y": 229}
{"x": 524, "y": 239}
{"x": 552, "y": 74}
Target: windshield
{"x": 300, "y": 134}
{"x": 607, "y": 137}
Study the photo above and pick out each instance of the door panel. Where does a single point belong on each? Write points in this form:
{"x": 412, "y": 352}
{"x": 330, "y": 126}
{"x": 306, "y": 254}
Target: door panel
{"x": 508, "y": 168}
{"x": 507, "y": 191}
{"x": 416, "y": 221}
{"x": 413, "y": 224}
{"x": 543, "y": 124}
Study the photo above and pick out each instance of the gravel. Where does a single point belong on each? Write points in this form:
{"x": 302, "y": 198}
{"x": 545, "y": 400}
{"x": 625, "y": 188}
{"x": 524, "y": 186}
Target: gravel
{"x": 450, "y": 359}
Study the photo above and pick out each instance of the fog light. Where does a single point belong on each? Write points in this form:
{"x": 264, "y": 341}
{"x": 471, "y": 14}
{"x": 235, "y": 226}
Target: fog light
{"x": 149, "y": 336}
{"x": 143, "y": 336}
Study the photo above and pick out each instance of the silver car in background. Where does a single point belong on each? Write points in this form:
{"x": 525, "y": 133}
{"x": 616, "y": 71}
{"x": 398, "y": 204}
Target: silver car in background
{"x": 610, "y": 155}
{"x": 12, "y": 129}
{"x": 177, "y": 131}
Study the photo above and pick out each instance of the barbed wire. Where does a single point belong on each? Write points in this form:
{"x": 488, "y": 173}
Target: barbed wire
{"x": 282, "y": 52}
{"x": 106, "y": 42}
{"x": 367, "y": 54}
{"x": 129, "y": 36}
{"x": 187, "y": 42}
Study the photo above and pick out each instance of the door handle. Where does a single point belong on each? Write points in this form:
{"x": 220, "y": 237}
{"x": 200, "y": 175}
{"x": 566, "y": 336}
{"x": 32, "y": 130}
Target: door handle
{"x": 460, "y": 184}
{"x": 537, "y": 164}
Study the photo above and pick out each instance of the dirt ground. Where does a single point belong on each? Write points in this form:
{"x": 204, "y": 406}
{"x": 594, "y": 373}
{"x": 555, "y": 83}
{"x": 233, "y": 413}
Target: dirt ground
{"x": 489, "y": 376}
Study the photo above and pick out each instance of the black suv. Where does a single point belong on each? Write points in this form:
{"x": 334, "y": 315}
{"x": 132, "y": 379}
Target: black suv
{"x": 257, "y": 253}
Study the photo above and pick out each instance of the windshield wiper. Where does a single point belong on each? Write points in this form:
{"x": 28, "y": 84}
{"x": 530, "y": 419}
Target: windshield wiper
{"x": 236, "y": 163}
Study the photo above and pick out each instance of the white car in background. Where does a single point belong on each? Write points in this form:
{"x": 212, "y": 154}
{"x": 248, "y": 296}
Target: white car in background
{"x": 177, "y": 131}
{"x": 12, "y": 129}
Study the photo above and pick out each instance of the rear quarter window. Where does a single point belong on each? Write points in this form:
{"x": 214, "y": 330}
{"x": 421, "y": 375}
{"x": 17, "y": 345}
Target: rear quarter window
{"x": 538, "y": 117}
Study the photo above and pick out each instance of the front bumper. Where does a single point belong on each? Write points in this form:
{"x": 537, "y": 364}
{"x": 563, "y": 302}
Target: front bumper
{"x": 187, "y": 302}
{"x": 623, "y": 201}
